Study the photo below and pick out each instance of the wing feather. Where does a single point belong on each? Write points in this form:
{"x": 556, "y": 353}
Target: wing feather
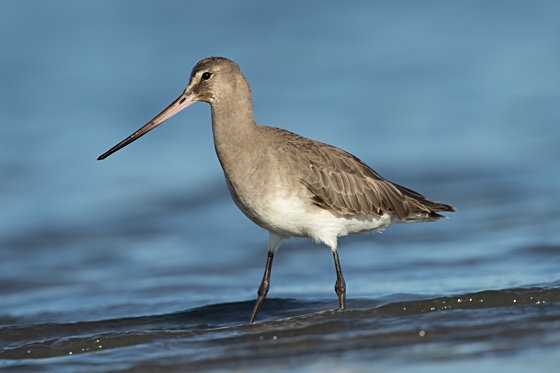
{"x": 343, "y": 183}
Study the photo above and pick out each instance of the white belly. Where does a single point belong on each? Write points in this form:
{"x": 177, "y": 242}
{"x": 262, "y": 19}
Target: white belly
{"x": 292, "y": 216}
{"x": 291, "y": 213}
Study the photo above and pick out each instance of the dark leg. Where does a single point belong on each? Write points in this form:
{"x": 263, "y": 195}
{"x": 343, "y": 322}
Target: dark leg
{"x": 265, "y": 285}
{"x": 340, "y": 286}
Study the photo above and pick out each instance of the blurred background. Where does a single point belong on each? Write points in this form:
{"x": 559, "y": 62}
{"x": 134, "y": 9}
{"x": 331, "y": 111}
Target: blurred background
{"x": 457, "y": 100}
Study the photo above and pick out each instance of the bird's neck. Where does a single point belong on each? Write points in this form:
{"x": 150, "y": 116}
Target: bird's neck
{"x": 235, "y": 130}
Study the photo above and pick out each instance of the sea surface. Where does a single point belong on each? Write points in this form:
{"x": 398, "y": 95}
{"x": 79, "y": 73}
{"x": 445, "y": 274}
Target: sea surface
{"x": 142, "y": 262}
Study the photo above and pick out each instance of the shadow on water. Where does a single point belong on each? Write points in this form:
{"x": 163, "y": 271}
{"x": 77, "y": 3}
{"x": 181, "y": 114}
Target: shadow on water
{"x": 482, "y": 323}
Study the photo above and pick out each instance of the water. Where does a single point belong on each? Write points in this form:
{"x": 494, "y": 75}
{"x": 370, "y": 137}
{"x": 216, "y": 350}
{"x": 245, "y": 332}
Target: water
{"x": 143, "y": 263}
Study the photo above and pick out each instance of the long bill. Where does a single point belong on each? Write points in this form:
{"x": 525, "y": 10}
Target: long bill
{"x": 176, "y": 106}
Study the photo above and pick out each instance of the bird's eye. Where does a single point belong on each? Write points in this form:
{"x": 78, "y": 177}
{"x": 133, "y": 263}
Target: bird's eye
{"x": 206, "y": 75}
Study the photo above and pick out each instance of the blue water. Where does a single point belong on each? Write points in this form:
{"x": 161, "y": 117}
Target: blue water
{"x": 147, "y": 253}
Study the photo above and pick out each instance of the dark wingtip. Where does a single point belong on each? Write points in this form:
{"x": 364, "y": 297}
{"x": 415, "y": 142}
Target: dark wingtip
{"x": 441, "y": 207}
{"x": 449, "y": 208}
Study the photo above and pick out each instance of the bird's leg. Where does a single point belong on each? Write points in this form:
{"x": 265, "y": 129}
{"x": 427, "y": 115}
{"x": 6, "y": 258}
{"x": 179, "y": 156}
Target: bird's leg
{"x": 273, "y": 244}
{"x": 263, "y": 289}
{"x": 340, "y": 286}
